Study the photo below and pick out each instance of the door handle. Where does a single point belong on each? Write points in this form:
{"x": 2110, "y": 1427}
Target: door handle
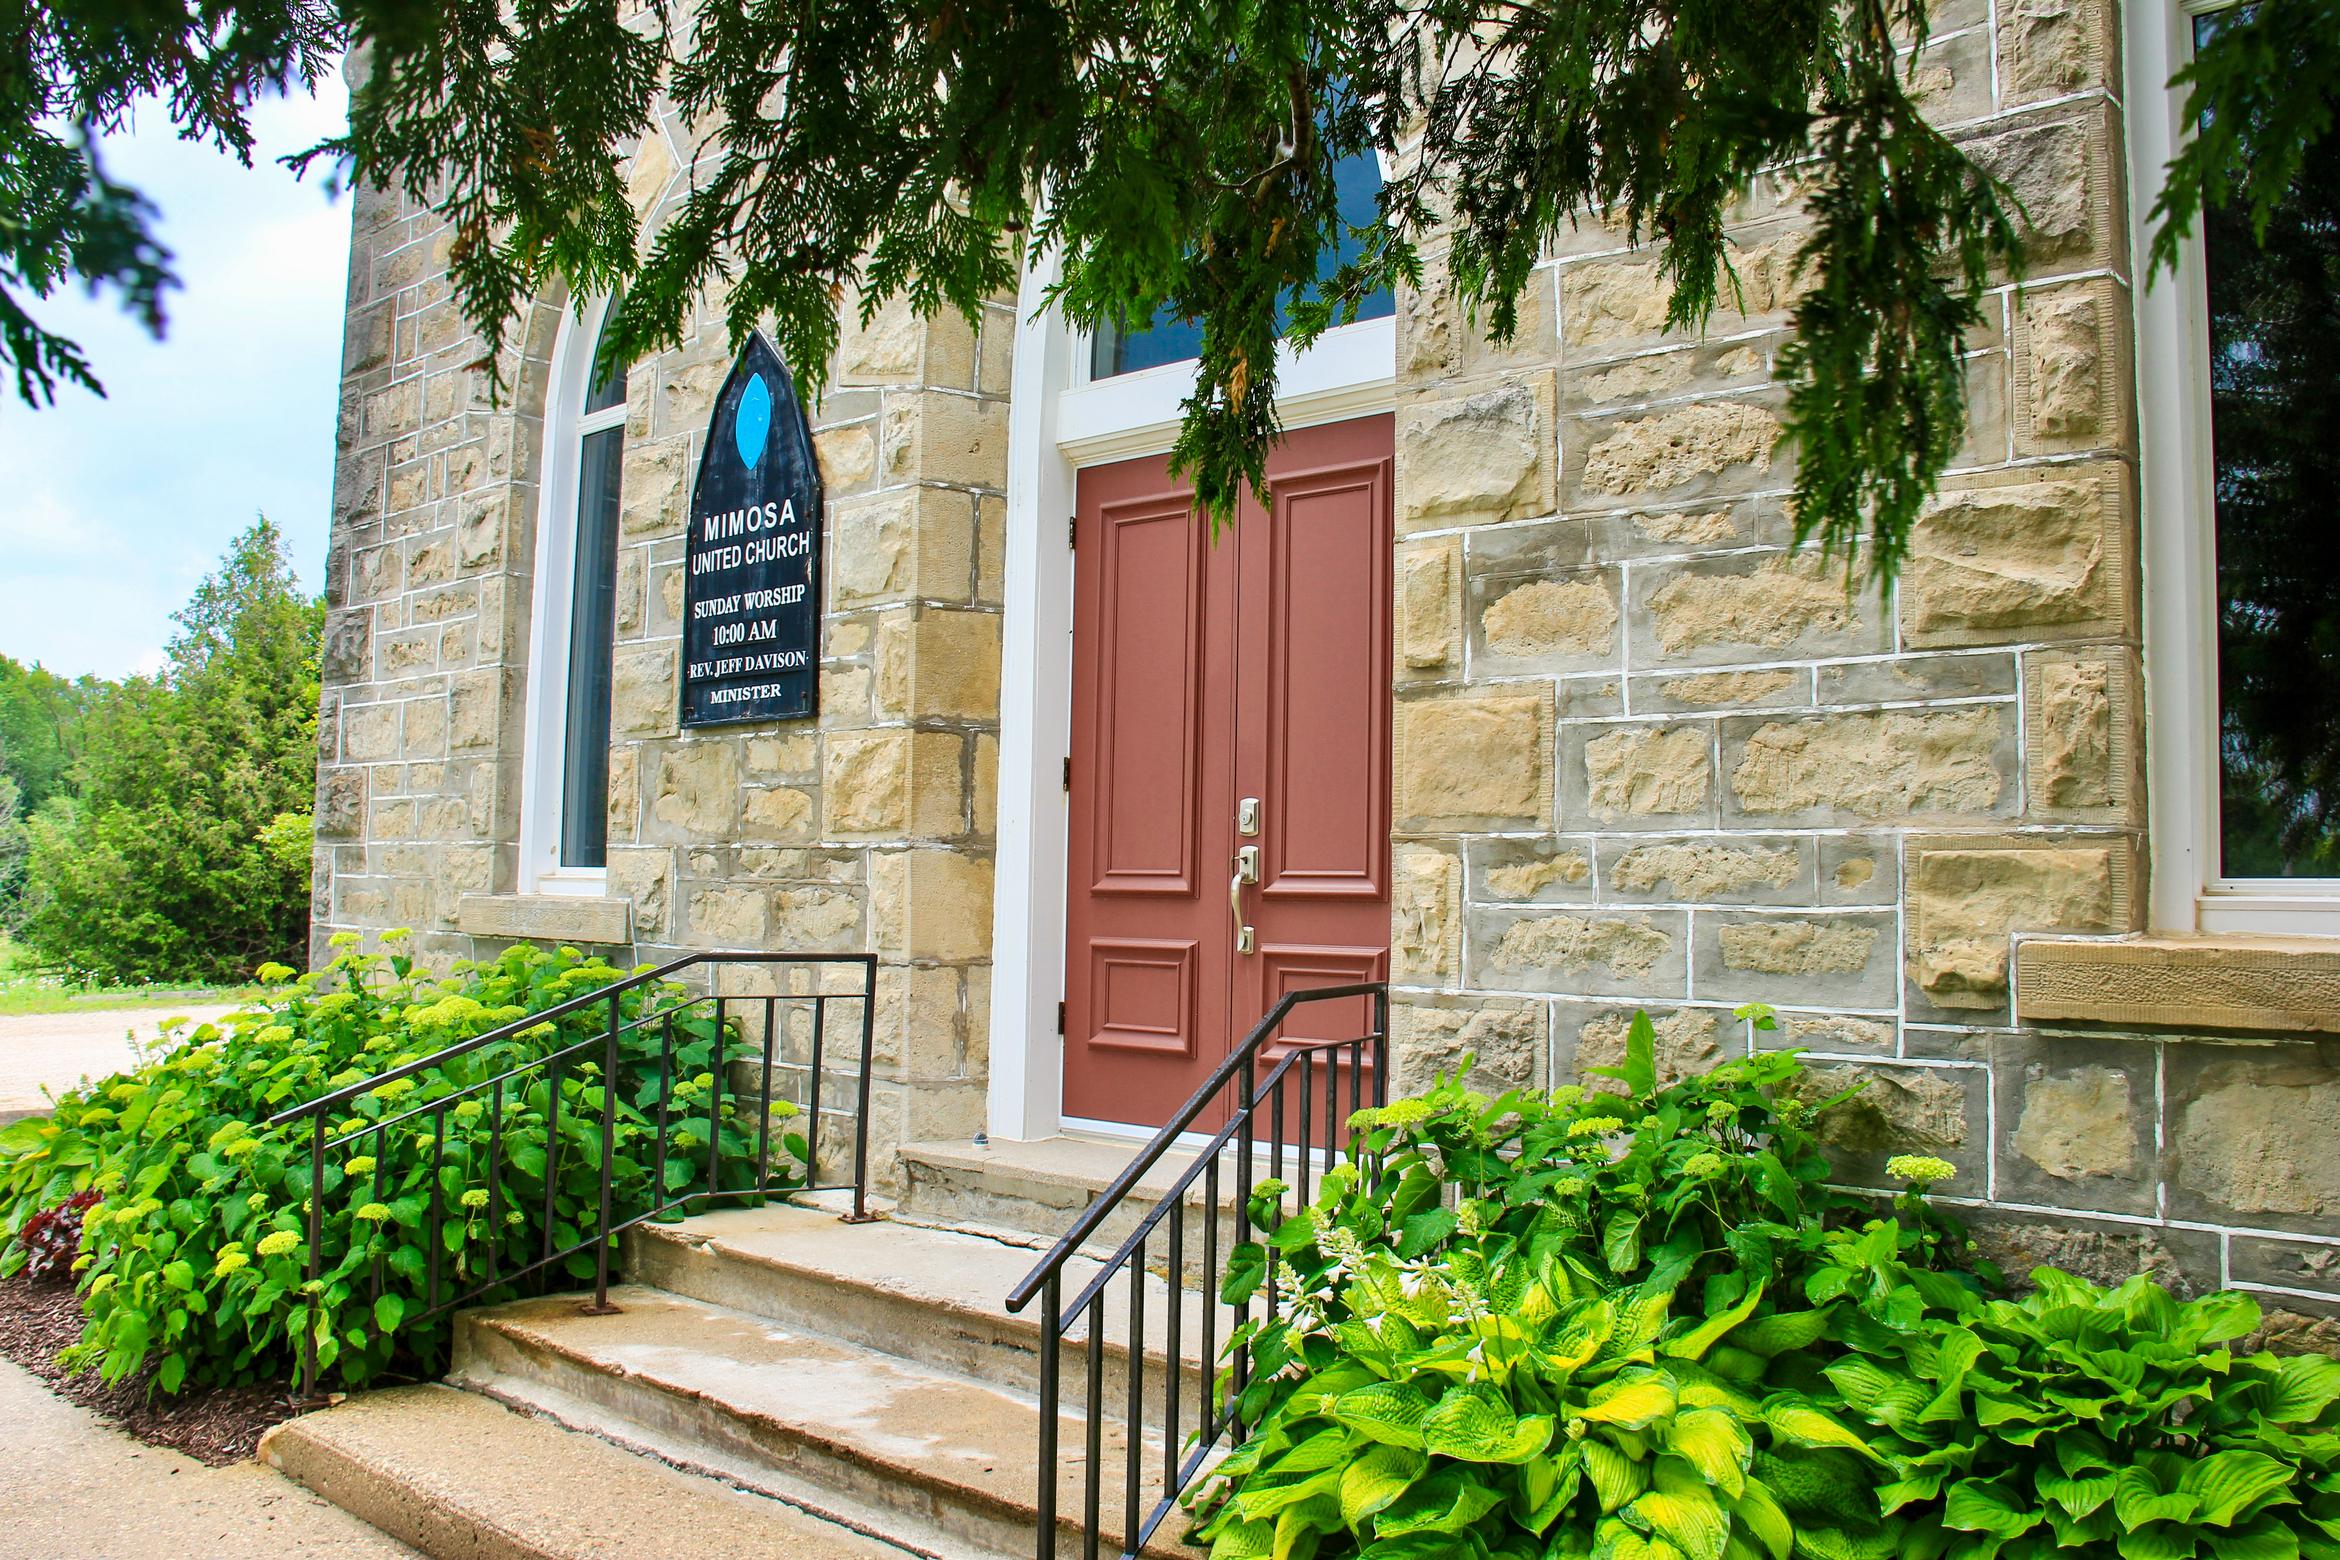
{"x": 1246, "y": 871}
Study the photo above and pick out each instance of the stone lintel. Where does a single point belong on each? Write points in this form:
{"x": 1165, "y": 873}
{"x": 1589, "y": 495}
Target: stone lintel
{"x": 2249, "y": 983}
{"x": 576, "y": 918}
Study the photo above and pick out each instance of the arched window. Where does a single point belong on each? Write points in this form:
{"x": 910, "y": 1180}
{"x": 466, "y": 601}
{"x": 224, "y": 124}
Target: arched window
{"x": 1170, "y": 339}
{"x": 565, "y": 811}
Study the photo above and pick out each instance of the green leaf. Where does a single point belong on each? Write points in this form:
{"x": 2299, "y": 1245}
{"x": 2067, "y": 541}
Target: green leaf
{"x": 1985, "y": 1506}
{"x": 1377, "y": 1478}
{"x": 1390, "y": 1412}
{"x": 2077, "y": 1496}
{"x": 2304, "y": 1386}
{"x": 1714, "y": 1443}
{"x": 1260, "y": 1500}
{"x": 1641, "y": 1056}
{"x": 1694, "y": 1343}
{"x": 2227, "y": 1483}
{"x": 389, "y": 1311}
{"x": 2139, "y": 1499}
{"x": 1425, "y": 1230}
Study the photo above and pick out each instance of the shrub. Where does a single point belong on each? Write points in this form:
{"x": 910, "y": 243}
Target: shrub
{"x": 195, "y": 1261}
{"x": 2082, "y": 1420}
{"x": 1639, "y": 1325}
{"x": 52, "y": 1238}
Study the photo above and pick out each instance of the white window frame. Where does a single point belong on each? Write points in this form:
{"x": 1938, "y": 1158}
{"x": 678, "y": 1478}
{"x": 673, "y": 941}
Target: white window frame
{"x": 1059, "y": 420}
{"x": 2180, "y": 532}
{"x": 545, "y": 717}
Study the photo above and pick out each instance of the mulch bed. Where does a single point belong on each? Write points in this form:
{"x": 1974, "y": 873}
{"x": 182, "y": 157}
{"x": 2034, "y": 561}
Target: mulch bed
{"x": 215, "y": 1425}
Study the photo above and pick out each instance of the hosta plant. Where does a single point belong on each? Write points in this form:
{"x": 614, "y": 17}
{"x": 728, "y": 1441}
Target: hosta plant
{"x": 195, "y": 1258}
{"x": 1504, "y": 1398}
{"x": 2081, "y": 1420}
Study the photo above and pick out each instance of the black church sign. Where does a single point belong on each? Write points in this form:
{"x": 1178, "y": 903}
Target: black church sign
{"x": 752, "y": 596}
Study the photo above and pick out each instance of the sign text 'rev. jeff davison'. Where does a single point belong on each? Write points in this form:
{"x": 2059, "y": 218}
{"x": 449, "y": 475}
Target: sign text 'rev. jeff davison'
{"x": 752, "y": 596}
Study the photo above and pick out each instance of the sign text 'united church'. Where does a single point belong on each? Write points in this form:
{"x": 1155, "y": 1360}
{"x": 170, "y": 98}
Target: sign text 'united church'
{"x": 751, "y": 615}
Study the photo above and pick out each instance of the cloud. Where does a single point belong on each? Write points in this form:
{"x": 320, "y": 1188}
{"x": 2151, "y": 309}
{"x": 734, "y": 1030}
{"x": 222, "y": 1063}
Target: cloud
{"x": 112, "y": 509}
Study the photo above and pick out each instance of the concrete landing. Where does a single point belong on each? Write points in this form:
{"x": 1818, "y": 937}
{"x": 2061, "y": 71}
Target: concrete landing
{"x": 456, "y": 1475}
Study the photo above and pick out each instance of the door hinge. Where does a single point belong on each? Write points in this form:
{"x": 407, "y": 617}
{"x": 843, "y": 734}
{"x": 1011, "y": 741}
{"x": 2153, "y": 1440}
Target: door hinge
{"x": 1060, "y": 1018}
{"x": 1068, "y": 773}
{"x": 1072, "y": 531}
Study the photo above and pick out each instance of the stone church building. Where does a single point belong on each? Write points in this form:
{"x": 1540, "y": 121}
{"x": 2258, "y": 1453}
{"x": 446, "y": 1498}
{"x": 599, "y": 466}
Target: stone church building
{"x": 1516, "y": 697}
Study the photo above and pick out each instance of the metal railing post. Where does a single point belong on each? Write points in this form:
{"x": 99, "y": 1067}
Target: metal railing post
{"x": 609, "y": 1108}
{"x": 1051, "y": 1393}
{"x": 861, "y": 1107}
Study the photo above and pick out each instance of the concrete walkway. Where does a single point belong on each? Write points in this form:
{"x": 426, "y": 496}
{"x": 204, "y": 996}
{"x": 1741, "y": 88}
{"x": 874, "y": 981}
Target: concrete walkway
{"x": 74, "y": 1486}
{"x": 60, "y": 1049}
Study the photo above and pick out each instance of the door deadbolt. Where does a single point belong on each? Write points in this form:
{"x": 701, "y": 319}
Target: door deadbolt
{"x": 1247, "y": 816}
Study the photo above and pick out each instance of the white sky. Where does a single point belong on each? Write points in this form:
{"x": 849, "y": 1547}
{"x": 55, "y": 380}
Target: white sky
{"x": 112, "y": 509}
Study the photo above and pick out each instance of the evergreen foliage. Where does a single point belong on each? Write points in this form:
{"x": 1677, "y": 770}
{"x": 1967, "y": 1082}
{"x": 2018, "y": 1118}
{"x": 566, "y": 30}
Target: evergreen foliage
{"x": 168, "y": 859}
{"x": 1175, "y": 157}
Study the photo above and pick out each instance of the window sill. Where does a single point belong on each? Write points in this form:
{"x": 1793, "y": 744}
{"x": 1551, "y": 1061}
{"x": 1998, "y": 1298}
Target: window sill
{"x": 2253, "y": 983}
{"x": 574, "y": 918}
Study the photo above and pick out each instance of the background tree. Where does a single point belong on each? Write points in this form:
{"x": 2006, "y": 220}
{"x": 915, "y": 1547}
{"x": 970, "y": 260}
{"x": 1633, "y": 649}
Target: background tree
{"x": 1175, "y": 156}
{"x": 183, "y": 851}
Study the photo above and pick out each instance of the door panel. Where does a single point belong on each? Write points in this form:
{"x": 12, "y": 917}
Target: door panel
{"x": 1203, "y": 674}
{"x": 1147, "y": 957}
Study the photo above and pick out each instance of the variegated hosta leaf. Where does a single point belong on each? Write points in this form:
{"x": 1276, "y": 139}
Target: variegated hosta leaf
{"x": 1761, "y": 1516}
{"x": 1474, "y": 1427}
{"x": 1681, "y": 1507}
{"x": 1578, "y": 1337}
{"x": 1616, "y": 1478}
{"x": 1698, "y": 1387}
{"x": 1244, "y": 1541}
{"x": 1641, "y": 1316}
{"x": 1546, "y": 1485}
{"x": 1261, "y": 1499}
{"x": 1848, "y": 1543}
{"x": 1616, "y": 1541}
{"x": 1793, "y": 1419}
{"x": 1716, "y": 1444}
{"x": 1448, "y": 1501}
{"x": 1376, "y": 1479}
{"x": 1301, "y": 1527}
{"x": 1325, "y": 1449}
{"x": 1694, "y": 1343}
{"x": 1630, "y": 1401}
{"x": 1390, "y": 1412}
{"x": 1779, "y": 1334}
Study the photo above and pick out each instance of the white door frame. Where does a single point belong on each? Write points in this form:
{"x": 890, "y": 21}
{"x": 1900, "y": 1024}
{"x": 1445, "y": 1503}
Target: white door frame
{"x": 1058, "y": 422}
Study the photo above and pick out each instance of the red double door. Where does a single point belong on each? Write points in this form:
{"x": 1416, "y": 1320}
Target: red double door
{"x": 1229, "y": 834}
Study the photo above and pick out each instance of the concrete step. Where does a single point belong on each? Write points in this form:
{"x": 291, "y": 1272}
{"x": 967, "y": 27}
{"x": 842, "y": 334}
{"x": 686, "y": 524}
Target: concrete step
{"x": 462, "y": 1478}
{"x": 1043, "y": 1186}
{"x": 934, "y": 1296}
{"x": 936, "y": 1460}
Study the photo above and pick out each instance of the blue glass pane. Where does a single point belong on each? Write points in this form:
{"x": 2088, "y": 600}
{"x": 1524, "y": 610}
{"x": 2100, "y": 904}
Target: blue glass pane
{"x": 592, "y": 628}
{"x": 605, "y": 390}
{"x": 1169, "y": 339}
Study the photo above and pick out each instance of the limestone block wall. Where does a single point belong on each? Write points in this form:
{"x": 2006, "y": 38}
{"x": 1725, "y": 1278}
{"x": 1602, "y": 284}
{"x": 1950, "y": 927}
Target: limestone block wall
{"x": 868, "y": 829}
{"x": 1647, "y": 756}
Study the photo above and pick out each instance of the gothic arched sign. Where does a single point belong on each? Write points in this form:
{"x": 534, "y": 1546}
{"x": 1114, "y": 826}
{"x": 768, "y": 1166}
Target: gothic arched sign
{"x": 752, "y": 565}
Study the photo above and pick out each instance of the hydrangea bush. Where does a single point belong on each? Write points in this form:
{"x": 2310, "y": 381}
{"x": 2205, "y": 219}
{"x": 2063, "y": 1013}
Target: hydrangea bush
{"x": 194, "y": 1257}
{"x": 1636, "y": 1322}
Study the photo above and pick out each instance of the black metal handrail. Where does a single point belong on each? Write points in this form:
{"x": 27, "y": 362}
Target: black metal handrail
{"x": 1256, "y": 1120}
{"x": 604, "y": 1048}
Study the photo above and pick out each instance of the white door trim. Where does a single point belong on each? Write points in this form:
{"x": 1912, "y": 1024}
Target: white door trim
{"x": 1058, "y": 423}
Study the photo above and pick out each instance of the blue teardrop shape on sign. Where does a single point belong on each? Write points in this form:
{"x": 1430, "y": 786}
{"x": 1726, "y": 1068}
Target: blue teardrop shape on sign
{"x": 753, "y": 423}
